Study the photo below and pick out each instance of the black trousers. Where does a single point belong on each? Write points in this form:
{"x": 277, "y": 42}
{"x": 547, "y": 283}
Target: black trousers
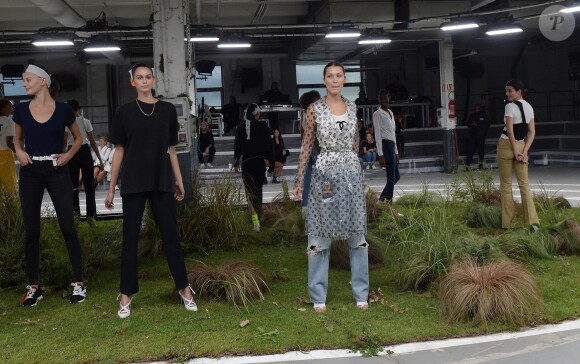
{"x": 253, "y": 175}
{"x": 400, "y": 143}
{"x": 34, "y": 179}
{"x": 83, "y": 161}
{"x": 163, "y": 207}
{"x": 476, "y": 142}
{"x": 209, "y": 157}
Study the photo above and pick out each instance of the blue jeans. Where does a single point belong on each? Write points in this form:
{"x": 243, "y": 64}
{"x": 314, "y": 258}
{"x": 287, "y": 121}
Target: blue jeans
{"x": 308, "y": 176}
{"x": 318, "y": 259}
{"x": 392, "y": 170}
{"x": 370, "y": 157}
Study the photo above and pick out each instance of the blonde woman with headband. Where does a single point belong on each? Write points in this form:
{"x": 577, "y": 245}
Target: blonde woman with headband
{"x": 38, "y": 142}
{"x": 145, "y": 134}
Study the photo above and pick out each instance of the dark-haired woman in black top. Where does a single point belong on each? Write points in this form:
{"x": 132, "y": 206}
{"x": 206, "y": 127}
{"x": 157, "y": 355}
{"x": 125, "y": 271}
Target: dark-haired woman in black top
{"x": 254, "y": 146}
{"x": 145, "y": 132}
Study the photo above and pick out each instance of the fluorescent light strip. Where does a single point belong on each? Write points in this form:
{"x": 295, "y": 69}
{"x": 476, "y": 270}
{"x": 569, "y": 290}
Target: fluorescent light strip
{"x": 343, "y": 35}
{"x": 374, "y": 41}
{"x": 102, "y": 49}
{"x": 234, "y": 45}
{"x": 570, "y": 10}
{"x": 459, "y": 26}
{"x": 52, "y": 43}
{"x": 504, "y": 31}
{"x": 204, "y": 39}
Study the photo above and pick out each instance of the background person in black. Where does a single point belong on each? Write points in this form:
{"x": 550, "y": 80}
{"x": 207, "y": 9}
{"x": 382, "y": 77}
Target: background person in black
{"x": 271, "y": 96}
{"x": 254, "y": 146}
{"x": 205, "y": 148}
{"x": 145, "y": 132}
{"x": 280, "y": 154}
{"x": 82, "y": 162}
{"x": 361, "y": 100}
{"x": 38, "y": 143}
{"x": 478, "y": 123}
{"x": 231, "y": 113}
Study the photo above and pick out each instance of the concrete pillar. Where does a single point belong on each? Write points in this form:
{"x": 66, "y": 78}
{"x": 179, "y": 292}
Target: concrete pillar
{"x": 169, "y": 47}
{"x": 448, "y": 117}
{"x": 169, "y": 59}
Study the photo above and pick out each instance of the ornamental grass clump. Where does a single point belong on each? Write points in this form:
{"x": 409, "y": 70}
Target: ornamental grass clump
{"x": 521, "y": 244}
{"x": 485, "y": 216}
{"x": 212, "y": 218}
{"x": 284, "y": 215}
{"x": 427, "y": 245}
{"x": 421, "y": 199}
{"x": 11, "y": 239}
{"x": 475, "y": 187}
{"x": 238, "y": 282}
{"x": 479, "y": 294}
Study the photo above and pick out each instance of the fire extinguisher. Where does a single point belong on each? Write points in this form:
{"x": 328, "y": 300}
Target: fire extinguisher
{"x": 451, "y": 108}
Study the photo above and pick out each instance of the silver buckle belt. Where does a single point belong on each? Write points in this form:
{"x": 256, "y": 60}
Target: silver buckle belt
{"x": 43, "y": 158}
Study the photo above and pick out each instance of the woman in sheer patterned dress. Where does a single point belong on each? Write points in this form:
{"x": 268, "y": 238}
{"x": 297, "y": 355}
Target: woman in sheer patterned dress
{"x": 336, "y": 207}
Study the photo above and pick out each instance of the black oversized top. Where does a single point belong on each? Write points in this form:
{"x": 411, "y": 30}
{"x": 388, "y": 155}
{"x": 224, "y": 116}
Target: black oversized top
{"x": 259, "y": 145}
{"x": 146, "y": 165}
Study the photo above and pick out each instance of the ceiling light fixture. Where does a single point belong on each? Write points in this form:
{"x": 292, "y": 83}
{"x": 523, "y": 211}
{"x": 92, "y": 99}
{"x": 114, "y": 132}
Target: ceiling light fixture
{"x": 343, "y": 32}
{"x": 234, "y": 42}
{"x": 508, "y": 29}
{"x": 102, "y": 46}
{"x": 458, "y": 25}
{"x": 204, "y": 38}
{"x": 374, "y": 40}
{"x": 52, "y": 41}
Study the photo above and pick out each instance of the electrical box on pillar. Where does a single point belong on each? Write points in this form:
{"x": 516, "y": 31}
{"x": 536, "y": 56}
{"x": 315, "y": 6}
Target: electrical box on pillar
{"x": 183, "y": 118}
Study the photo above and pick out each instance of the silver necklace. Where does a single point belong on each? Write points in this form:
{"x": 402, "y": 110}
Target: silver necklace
{"x": 142, "y": 112}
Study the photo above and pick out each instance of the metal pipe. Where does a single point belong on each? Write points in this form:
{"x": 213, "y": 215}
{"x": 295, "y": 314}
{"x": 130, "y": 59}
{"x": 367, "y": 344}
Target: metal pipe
{"x": 61, "y": 12}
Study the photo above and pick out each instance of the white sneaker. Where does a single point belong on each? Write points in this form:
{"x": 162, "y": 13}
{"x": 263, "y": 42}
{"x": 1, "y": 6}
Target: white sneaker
{"x": 209, "y": 165}
{"x": 202, "y": 166}
{"x": 373, "y": 166}
{"x": 368, "y": 166}
{"x": 79, "y": 293}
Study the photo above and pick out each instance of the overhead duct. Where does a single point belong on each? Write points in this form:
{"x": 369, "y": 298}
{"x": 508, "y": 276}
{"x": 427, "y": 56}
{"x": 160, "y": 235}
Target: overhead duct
{"x": 61, "y": 12}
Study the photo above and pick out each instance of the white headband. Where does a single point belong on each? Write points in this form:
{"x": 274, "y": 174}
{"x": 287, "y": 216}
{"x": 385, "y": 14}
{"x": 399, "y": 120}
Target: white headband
{"x": 39, "y": 72}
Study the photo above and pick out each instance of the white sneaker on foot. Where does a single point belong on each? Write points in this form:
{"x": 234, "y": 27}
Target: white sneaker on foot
{"x": 209, "y": 165}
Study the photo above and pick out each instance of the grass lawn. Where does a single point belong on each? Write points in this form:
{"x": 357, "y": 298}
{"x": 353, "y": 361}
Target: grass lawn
{"x": 160, "y": 328}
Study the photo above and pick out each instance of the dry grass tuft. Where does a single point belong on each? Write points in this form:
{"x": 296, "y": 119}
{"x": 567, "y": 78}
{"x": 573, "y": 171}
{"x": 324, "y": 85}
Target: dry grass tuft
{"x": 373, "y": 206}
{"x": 503, "y": 291}
{"x": 239, "y": 282}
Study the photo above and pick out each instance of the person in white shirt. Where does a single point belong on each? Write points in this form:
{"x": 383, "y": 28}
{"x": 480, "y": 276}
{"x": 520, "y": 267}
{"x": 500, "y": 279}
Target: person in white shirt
{"x": 104, "y": 154}
{"x": 512, "y": 154}
{"x": 7, "y": 164}
{"x": 82, "y": 162}
{"x": 386, "y": 141}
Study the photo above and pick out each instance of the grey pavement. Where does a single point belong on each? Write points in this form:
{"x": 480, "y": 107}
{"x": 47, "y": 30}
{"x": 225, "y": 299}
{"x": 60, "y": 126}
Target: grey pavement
{"x": 545, "y": 344}
{"x": 564, "y": 181}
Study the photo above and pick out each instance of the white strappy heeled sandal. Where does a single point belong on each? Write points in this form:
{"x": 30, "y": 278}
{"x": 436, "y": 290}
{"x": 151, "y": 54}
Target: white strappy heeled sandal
{"x": 188, "y": 303}
{"x": 124, "y": 310}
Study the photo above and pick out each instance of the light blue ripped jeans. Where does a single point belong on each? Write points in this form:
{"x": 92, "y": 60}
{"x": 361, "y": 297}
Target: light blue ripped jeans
{"x": 318, "y": 259}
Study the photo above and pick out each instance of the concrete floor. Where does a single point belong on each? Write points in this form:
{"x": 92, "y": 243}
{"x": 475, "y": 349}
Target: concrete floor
{"x": 562, "y": 181}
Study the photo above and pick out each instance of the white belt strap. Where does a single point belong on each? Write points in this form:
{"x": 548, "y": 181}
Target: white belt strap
{"x": 43, "y": 158}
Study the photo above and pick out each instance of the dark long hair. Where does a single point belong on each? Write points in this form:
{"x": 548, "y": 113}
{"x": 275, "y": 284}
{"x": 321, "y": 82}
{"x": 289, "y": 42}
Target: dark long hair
{"x": 250, "y": 112}
{"x": 517, "y": 85}
{"x": 308, "y": 98}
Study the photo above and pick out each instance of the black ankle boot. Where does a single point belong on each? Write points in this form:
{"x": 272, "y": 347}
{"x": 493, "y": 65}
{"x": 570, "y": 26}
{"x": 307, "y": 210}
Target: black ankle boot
{"x": 275, "y": 180}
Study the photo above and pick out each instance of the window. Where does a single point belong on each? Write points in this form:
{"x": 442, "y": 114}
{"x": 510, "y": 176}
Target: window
{"x": 210, "y": 88}
{"x": 307, "y": 74}
{"x": 13, "y": 87}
